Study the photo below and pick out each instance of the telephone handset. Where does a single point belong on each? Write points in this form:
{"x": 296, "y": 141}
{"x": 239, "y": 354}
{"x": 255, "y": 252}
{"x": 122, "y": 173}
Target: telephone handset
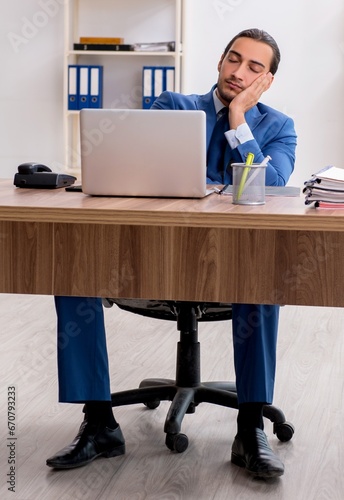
{"x": 32, "y": 167}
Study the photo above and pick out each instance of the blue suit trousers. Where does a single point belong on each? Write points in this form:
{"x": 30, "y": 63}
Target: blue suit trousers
{"x": 82, "y": 359}
{"x": 83, "y": 370}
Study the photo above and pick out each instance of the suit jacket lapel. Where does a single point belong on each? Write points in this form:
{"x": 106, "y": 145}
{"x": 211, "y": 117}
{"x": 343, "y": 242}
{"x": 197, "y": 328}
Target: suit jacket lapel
{"x": 206, "y": 103}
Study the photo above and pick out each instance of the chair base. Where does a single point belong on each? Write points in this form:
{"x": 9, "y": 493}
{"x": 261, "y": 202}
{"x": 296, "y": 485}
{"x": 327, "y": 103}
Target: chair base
{"x": 185, "y": 400}
{"x": 186, "y": 392}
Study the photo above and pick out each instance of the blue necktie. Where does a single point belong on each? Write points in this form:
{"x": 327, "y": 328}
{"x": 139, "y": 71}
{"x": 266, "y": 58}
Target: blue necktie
{"x": 218, "y": 154}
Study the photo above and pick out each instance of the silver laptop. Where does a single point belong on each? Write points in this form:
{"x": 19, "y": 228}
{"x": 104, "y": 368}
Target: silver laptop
{"x": 138, "y": 152}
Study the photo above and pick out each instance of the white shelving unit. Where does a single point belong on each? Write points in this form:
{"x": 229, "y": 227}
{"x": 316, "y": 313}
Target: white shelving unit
{"x": 137, "y": 21}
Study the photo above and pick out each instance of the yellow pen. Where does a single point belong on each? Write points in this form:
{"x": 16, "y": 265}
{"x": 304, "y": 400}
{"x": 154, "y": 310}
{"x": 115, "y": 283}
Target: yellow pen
{"x": 249, "y": 161}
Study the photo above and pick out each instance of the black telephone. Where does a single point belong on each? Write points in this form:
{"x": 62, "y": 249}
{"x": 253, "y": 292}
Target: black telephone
{"x": 36, "y": 175}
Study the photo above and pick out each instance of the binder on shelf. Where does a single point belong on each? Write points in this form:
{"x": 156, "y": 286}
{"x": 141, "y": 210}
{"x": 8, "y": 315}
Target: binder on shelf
{"x": 155, "y": 80}
{"x": 169, "y": 79}
{"x": 158, "y": 82}
{"x": 73, "y": 84}
{"x": 147, "y": 87}
{"x": 83, "y": 87}
{"x": 96, "y": 86}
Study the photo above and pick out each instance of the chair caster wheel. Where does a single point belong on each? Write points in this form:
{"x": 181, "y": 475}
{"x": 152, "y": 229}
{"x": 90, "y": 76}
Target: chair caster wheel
{"x": 152, "y": 404}
{"x": 177, "y": 442}
{"x": 284, "y": 431}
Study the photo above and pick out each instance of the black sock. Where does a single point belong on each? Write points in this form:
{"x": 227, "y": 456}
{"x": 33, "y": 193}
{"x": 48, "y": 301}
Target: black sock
{"x": 250, "y": 416}
{"x": 100, "y": 413}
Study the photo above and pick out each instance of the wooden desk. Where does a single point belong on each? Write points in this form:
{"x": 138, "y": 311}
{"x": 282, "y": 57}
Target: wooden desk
{"x": 54, "y": 242}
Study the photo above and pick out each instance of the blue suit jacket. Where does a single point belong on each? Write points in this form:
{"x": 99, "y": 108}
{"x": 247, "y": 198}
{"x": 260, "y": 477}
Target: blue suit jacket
{"x": 273, "y": 132}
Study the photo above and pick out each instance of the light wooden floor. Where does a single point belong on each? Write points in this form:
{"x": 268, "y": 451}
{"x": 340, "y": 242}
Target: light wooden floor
{"x": 309, "y": 389}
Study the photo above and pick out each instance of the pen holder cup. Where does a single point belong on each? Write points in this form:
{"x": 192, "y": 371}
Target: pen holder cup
{"x": 248, "y": 184}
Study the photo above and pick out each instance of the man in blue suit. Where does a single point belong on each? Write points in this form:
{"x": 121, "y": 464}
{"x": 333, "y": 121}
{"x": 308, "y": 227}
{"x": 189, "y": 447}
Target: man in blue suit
{"x": 246, "y": 70}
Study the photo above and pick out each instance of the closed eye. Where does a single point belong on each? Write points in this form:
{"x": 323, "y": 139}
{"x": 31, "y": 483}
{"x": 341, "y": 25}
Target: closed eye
{"x": 255, "y": 69}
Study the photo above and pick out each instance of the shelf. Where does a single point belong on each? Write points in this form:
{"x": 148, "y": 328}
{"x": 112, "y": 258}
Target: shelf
{"x": 121, "y": 53}
{"x": 134, "y": 21}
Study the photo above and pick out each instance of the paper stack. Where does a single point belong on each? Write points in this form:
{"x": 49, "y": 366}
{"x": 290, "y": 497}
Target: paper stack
{"x": 326, "y": 188}
{"x": 154, "y": 47}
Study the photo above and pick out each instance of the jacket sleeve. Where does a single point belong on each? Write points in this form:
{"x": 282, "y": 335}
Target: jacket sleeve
{"x": 164, "y": 101}
{"x": 280, "y": 144}
{"x": 174, "y": 100}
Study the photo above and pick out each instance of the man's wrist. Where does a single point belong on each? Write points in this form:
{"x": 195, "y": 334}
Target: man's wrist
{"x": 236, "y": 118}
{"x": 239, "y": 136}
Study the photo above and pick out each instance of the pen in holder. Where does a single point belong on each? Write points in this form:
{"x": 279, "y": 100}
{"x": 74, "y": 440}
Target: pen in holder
{"x": 249, "y": 161}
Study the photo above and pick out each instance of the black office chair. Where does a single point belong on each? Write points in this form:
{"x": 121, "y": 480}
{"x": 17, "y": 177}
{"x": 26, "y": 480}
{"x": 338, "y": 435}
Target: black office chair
{"x": 187, "y": 391}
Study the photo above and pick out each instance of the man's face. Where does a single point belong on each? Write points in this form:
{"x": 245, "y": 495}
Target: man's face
{"x": 243, "y": 63}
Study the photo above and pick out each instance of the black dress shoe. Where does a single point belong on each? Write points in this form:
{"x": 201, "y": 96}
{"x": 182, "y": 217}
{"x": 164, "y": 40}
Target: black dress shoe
{"x": 92, "y": 441}
{"x": 252, "y": 451}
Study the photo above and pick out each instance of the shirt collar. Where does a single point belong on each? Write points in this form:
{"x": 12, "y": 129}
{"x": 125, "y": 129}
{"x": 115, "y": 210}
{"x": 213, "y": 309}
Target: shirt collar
{"x": 217, "y": 103}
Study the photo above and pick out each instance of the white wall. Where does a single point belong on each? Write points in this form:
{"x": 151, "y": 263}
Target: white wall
{"x": 31, "y": 82}
{"x": 309, "y": 85}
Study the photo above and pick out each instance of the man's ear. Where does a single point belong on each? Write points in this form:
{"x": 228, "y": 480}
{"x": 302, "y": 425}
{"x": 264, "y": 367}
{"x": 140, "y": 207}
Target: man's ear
{"x": 272, "y": 79}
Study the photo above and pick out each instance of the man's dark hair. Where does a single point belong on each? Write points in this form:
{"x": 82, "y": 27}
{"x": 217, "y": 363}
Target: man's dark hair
{"x": 260, "y": 36}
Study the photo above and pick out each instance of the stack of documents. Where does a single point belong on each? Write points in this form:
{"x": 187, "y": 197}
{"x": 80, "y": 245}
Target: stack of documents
{"x": 114, "y": 43}
{"x": 326, "y": 188}
{"x": 154, "y": 47}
